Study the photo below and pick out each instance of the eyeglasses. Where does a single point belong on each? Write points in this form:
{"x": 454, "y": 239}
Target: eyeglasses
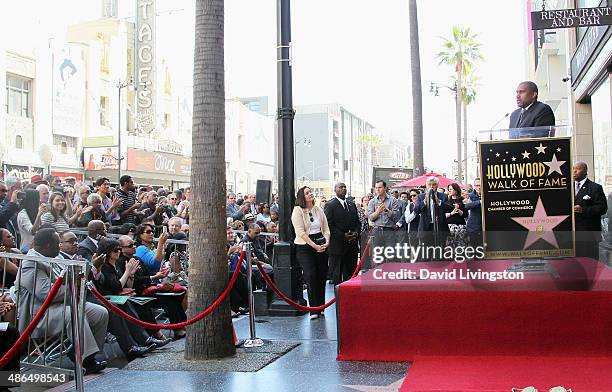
{"x": 130, "y": 246}
{"x": 148, "y": 231}
{"x": 311, "y": 218}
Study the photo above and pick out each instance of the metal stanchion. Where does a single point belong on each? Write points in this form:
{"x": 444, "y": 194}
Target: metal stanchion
{"x": 76, "y": 328}
{"x": 253, "y": 341}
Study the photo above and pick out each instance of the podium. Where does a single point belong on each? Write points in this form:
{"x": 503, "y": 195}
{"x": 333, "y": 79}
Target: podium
{"x": 527, "y": 192}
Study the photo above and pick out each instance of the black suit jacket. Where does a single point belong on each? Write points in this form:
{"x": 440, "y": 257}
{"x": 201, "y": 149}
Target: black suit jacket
{"x": 425, "y": 222}
{"x": 593, "y": 206}
{"x": 87, "y": 249}
{"x": 340, "y": 222}
{"x": 539, "y": 114}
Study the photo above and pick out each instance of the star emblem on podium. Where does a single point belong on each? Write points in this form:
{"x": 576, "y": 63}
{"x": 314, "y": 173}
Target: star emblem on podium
{"x": 541, "y": 149}
{"x": 554, "y": 165}
{"x": 540, "y": 225}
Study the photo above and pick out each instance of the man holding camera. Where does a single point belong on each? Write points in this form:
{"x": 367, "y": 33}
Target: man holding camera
{"x": 344, "y": 227}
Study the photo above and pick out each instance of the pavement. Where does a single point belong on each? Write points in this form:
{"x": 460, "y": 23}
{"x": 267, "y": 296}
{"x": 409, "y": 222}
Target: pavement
{"x": 304, "y": 360}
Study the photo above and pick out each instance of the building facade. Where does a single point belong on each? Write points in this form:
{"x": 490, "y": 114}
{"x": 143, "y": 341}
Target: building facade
{"x": 331, "y": 145}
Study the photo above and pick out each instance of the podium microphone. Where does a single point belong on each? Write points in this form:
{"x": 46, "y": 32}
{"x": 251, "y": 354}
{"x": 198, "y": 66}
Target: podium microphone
{"x": 496, "y": 124}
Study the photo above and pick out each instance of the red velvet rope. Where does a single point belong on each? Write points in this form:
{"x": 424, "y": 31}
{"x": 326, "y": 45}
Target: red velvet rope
{"x": 197, "y": 318}
{"x": 30, "y": 328}
{"x": 302, "y": 307}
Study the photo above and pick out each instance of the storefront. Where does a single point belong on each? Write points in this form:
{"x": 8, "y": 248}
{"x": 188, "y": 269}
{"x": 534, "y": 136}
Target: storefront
{"x": 158, "y": 169}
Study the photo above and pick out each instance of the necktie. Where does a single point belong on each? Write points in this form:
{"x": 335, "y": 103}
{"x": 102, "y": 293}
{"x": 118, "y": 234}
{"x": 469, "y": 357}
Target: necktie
{"x": 577, "y": 188}
{"x": 346, "y": 206}
{"x": 520, "y": 118}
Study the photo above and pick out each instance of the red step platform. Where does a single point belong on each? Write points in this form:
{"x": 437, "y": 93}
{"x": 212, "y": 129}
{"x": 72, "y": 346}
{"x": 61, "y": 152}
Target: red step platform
{"x": 563, "y": 314}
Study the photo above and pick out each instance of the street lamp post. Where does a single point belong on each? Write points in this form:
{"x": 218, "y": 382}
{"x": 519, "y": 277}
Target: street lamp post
{"x": 433, "y": 88}
{"x": 286, "y": 269}
{"x": 120, "y": 86}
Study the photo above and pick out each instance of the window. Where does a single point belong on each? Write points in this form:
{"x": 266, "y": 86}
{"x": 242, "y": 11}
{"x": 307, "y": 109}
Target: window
{"x": 581, "y": 31}
{"x": 19, "y": 142}
{"x": 104, "y": 111}
{"x": 64, "y": 143}
{"x": 18, "y": 96}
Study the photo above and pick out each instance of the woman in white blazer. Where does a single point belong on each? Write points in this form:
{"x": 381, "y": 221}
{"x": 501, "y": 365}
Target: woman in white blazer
{"x": 311, "y": 240}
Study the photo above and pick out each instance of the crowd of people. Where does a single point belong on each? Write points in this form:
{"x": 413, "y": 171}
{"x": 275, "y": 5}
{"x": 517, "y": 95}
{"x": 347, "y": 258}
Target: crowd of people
{"x": 330, "y": 237}
{"x": 119, "y": 226}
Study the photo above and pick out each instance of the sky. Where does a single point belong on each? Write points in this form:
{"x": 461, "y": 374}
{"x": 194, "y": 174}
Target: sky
{"x": 353, "y": 52}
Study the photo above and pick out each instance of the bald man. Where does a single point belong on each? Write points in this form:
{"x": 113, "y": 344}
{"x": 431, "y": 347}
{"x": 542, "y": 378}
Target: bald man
{"x": 589, "y": 205}
{"x": 96, "y": 230}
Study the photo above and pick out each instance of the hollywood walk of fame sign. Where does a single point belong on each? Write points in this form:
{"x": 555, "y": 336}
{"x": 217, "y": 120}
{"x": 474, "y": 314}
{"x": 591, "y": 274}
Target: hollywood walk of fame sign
{"x": 527, "y": 198}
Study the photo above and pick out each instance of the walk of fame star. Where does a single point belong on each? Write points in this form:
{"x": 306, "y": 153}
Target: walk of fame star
{"x": 540, "y": 225}
{"x": 541, "y": 149}
{"x": 554, "y": 165}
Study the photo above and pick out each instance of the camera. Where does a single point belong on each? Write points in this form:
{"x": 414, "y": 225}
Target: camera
{"x": 20, "y": 196}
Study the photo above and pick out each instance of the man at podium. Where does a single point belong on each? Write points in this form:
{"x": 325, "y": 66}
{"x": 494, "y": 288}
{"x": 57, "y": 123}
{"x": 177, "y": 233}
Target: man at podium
{"x": 530, "y": 114}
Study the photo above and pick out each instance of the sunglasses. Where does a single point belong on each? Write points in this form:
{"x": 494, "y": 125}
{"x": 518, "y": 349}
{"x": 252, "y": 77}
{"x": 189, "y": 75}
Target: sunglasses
{"x": 413, "y": 195}
{"x": 148, "y": 231}
{"x": 130, "y": 246}
{"x": 4, "y": 190}
{"x": 311, "y": 218}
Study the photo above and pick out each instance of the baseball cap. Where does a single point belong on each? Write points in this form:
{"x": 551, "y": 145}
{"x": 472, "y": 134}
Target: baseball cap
{"x": 248, "y": 216}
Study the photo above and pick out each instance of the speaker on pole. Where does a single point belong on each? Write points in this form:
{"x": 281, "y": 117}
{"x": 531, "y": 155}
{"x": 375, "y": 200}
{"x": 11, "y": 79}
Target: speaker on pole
{"x": 263, "y": 193}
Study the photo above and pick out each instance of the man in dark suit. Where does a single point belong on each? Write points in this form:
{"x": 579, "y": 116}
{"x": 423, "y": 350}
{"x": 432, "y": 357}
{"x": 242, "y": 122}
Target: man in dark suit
{"x": 531, "y": 113}
{"x": 589, "y": 205}
{"x": 344, "y": 227}
{"x": 403, "y": 202}
{"x": 96, "y": 230}
{"x": 431, "y": 207}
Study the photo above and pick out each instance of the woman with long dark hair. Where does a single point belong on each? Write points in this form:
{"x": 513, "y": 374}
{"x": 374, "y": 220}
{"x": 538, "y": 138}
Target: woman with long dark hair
{"x": 56, "y": 214}
{"x": 174, "y": 305}
{"x": 28, "y": 219}
{"x": 456, "y": 218}
{"x": 311, "y": 239}
{"x": 133, "y": 339}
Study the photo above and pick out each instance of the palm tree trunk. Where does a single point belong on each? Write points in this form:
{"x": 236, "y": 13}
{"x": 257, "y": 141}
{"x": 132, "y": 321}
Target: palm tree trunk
{"x": 465, "y": 143}
{"x": 417, "y": 94}
{"x": 458, "y": 100}
{"x": 208, "y": 272}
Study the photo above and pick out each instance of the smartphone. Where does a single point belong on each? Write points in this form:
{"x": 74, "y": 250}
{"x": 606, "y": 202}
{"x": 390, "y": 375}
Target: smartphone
{"x": 164, "y": 229}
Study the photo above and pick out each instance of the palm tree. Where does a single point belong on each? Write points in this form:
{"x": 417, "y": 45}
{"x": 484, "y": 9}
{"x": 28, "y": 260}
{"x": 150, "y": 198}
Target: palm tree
{"x": 417, "y": 93}
{"x": 208, "y": 272}
{"x": 461, "y": 52}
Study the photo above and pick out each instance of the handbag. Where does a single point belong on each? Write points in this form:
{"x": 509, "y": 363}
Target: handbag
{"x": 163, "y": 288}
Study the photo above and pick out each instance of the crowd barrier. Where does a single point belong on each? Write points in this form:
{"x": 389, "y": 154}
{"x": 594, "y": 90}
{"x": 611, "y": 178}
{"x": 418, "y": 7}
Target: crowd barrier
{"x": 48, "y": 351}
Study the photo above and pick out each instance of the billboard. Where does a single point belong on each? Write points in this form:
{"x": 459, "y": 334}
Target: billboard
{"x": 100, "y": 158}
{"x": 158, "y": 162}
{"x": 391, "y": 175}
{"x": 68, "y": 90}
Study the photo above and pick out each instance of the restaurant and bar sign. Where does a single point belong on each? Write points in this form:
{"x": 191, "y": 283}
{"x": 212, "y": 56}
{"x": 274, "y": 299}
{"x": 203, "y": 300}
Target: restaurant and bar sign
{"x": 576, "y": 17}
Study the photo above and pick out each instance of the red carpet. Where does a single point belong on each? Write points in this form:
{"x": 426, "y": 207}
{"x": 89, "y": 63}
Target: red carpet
{"x": 501, "y": 374}
{"x": 399, "y": 320}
